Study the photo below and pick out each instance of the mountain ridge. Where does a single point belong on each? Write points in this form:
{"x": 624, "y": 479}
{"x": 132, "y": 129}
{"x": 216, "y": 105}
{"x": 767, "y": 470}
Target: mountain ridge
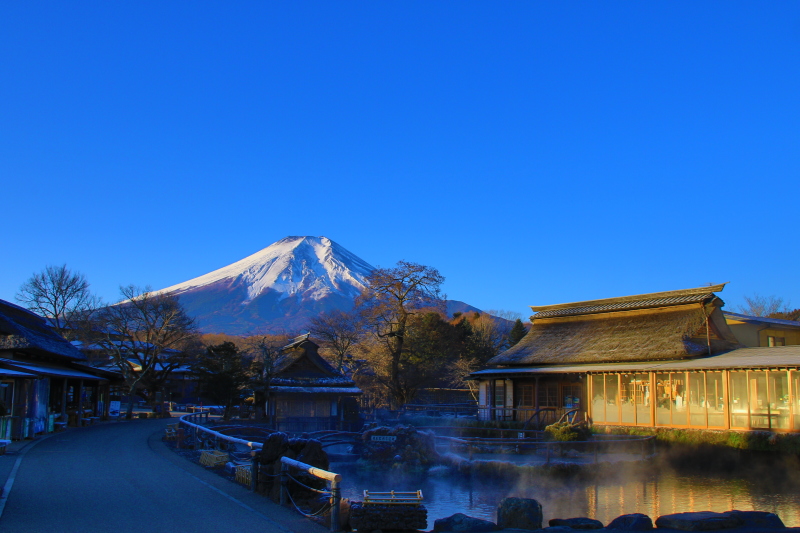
{"x": 279, "y": 288}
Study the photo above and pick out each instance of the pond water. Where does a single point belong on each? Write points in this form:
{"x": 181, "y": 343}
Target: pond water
{"x": 655, "y": 489}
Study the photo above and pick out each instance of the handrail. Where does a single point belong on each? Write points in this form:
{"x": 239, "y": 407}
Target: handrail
{"x": 216, "y": 434}
{"x": 332, "y": 477}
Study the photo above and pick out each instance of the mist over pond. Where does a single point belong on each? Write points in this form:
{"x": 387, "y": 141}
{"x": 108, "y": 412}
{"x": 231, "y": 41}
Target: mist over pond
{"x": 674, "y": 482}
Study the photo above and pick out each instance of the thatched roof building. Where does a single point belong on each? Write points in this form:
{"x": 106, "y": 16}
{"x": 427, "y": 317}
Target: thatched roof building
{"x": 646, "y": 327}
{"x": 666, "y": 359}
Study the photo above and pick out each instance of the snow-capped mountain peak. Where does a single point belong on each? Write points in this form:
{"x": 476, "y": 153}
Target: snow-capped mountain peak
{"x": 310, "y": 267}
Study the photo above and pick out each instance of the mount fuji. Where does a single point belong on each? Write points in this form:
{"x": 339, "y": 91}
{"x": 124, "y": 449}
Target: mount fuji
{"x": 279, "y": 288}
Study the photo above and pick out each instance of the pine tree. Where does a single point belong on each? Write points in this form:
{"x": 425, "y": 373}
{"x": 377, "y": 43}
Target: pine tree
{"x": 517, "y": 333}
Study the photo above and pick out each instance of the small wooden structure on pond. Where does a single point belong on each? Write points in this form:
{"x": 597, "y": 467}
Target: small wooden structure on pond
{"x": 308, "y": 394}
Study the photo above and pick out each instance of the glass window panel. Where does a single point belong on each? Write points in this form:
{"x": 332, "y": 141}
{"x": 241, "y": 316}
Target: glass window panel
{"x": 663, "y": 399}
{"x": 499, "y": 393}
{"x": 548, "y": 394}
{"x": 641, "y": 386}
{"x": 696, "y": 399}
{"x": 759, "y": 399}
{"x": 612, "y": 397}
{"x": 598, "y": 398}
{"x": 715, "y": 400}
{"x": 680, "y": 413}
{"x": 572, "y": 396}
{"x": 627, "y": 396}
{"x": 795, "y": 378}
{"x": 740, "y": 405}
{"x": 778, "y": 391}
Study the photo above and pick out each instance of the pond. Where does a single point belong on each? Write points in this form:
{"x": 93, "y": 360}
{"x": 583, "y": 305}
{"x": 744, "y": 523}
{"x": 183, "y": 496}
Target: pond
{"x": 665, "y": 486}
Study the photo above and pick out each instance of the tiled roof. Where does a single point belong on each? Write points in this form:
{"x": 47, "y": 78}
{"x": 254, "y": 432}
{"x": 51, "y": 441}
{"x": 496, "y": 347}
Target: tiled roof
{"x": 623, "y": 306}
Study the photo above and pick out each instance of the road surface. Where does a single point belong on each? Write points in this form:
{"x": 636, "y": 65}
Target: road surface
{"x": 121, "y": 477}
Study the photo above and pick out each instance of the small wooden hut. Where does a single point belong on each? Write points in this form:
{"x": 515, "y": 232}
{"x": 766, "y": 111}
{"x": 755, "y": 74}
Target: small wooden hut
{"x": 308, "y": 394}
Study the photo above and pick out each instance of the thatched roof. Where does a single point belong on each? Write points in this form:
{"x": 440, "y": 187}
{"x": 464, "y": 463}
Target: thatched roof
{"x": 300, "y": 369}
{"x": 24, "y": 331}
{"x": 647, "y": 327}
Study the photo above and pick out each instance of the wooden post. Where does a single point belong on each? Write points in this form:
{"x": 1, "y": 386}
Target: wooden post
{"x": 253, "y": 471}
{"x": 79, "y": 418}
{"x": 336, "y": 498}
{"x": 284, "y": 482}
{"x": 64, "y": 403}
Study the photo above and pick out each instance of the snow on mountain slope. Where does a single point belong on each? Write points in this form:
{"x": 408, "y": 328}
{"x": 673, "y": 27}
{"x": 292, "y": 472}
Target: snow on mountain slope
{"x": 278, "y": 289}
{"x": 309, "y": 267}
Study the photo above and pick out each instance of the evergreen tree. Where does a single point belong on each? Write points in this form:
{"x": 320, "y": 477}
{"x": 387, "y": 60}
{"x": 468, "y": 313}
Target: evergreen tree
{"x": 517, "y": 333}
{"x": 222, "y": 374}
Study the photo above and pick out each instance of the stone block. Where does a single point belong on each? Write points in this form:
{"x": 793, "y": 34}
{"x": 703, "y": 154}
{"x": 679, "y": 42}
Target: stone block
{"x": 631, "y": 522}
{"x": 577, "y": 523}
{"x": 698, "y": 521}
{"x": 519, "y": 513}
{"x": 387, "y": 517}
{"x": 761, "y": 519}
{"x": 464, "y": 523}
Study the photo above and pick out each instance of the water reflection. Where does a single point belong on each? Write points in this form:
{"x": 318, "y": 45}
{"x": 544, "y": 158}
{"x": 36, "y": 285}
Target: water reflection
{"x": 653, "y": 493}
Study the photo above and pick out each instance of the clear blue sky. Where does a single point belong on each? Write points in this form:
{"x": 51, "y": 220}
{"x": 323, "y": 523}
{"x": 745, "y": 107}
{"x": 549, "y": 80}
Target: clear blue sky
{"x": 534, "y": 152}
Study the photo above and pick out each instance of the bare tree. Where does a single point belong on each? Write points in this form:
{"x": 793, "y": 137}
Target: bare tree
{"x": 339, "y": 332}
{"x": 766, "y": 306}
{"x": 392, "y": 297}
{"x": 146, "y": 336}
{"x": 59, "y": 294}
{"x": 264, "y": 352}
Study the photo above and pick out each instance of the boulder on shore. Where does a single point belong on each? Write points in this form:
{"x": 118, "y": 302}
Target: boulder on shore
{"x": 463, "y": 523}
{"x": 577, "y": 523}
{"x": 698, "y": 521}
{"x": 519, "y": 513}
{"x": 631, "y": 522}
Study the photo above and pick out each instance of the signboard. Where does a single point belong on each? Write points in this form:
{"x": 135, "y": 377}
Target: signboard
{"x": 113, "y": 408}
{"x": 383, "y": 438}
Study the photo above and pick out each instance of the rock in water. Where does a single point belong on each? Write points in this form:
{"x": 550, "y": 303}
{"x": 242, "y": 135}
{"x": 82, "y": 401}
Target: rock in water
{"x": 631, "y": 522}
{"x": 462, "y": 522}
{"x": 519, "y": 513}
{"x": 577, "y": 523}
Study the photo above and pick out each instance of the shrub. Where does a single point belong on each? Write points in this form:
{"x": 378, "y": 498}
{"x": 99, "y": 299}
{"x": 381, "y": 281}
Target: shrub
{"x": 566, "y": 432}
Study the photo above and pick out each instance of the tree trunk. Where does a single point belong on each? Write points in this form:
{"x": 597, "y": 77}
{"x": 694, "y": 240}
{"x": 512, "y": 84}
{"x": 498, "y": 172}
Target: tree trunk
{"x": 129, "y": 412}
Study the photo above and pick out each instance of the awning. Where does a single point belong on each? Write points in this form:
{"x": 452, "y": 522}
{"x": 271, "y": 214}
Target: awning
{"x": 6, "y": 373}
{"x": 315, "y": 390}
{"x": 743, "y": 358}
{"x": 48, "y": 370}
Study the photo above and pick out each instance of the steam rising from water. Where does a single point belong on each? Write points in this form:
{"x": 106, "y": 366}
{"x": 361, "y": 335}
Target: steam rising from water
{"x": 703, "y": 480}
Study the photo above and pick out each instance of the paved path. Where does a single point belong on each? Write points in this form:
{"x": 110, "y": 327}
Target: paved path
{"x": 121, "y": 477}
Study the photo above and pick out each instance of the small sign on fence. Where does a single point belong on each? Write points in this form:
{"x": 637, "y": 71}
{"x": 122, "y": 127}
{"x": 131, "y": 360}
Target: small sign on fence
{"x": 384, "y": 438}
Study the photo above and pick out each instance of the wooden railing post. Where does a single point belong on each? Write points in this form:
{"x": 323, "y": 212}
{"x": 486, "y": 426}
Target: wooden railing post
{"x": 336, "y": 498}
{"x": 253, "y": 471}
{"x": 284, "y": 483}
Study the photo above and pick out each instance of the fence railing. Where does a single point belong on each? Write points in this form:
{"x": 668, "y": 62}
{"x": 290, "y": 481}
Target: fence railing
{"x": 190, "y": 424}
{"x": 533, "y": 441}
{"x": 209, "y": 438}
{"x": 334, "y": 492}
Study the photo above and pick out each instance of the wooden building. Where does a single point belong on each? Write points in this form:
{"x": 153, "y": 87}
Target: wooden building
{"x": 759, "y": 331}
{"x": 308, "y": 394}
{"x": 656, "y": 360}
{"x": 43, "y": 385}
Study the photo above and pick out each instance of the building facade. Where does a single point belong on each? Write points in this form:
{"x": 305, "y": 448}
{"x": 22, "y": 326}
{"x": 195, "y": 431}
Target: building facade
{"x": 652, "y": 360}
{"x": 43, "y": 384}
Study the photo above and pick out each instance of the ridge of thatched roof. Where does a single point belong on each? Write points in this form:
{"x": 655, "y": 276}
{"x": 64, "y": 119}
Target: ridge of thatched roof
{"x": 638, "y": 301}
{"x": 624, "y": 330}
{"x": 25, "y": 331}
